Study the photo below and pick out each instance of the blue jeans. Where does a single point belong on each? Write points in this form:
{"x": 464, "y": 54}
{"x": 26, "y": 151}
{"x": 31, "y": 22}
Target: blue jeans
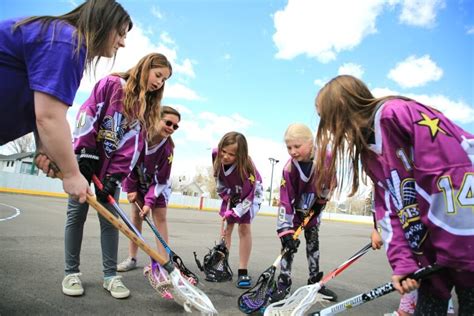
{"x": 109, "y": 237}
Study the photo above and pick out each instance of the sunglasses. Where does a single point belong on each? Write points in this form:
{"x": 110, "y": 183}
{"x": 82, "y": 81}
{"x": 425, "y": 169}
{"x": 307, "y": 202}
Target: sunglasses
{"x": 169, "y": 124}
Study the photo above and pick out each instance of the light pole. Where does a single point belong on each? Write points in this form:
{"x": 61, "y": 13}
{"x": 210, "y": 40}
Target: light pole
{"x": 273, "y": 161}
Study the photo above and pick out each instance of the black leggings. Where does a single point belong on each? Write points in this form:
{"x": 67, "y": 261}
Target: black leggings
{"x": 428, "y": 305}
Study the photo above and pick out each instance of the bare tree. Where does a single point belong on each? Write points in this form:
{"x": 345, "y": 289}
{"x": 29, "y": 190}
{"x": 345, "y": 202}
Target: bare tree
{"x": 23, "y": 144}
{"x": 205, "y": 179}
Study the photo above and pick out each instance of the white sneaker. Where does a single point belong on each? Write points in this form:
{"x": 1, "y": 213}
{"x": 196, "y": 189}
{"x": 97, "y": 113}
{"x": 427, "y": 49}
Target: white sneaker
{"x": 72, "y": 285}
{"x": 116, "y": 288}
{"x": 127, "y": 265}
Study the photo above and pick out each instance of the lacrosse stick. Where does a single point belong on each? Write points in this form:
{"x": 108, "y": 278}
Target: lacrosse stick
{"x": 374, "y": 293}
{"x": 192, "y": 278}
{"x": 156, "y": 275}
{"x": 257, "y": 297}
{"x": 184, "y": 293}
{"x": 304, "y": 297}
{"x": 215, "y": 264}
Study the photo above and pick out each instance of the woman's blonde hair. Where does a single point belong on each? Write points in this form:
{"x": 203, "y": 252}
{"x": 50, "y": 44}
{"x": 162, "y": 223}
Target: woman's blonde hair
{"x": 346, "y": 109}
{"x": 139, "y": 103}
{"x": 244, "y": 163}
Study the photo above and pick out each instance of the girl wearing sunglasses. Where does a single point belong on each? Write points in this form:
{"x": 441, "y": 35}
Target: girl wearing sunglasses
{"x": 149, "y": 183}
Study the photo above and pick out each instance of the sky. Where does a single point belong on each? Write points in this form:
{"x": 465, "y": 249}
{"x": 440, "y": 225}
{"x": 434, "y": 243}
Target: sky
{"x": 255, "y": 66}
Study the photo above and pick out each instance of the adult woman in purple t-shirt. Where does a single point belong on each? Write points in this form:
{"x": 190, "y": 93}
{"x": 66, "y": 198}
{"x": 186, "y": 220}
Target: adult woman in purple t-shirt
{"x": 42, "y": 60}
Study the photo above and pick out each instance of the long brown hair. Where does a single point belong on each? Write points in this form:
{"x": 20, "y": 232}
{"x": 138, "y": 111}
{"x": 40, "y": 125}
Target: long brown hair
{"x": 245, "y": 165}
{"x": 346, "y": 109}
{"x": 138, "y": 102}
{"x": 95, "y": 21}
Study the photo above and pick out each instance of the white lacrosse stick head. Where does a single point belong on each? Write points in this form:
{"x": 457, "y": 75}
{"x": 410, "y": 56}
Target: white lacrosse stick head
{"x": 298, "y": 303}
{"x": 190, "y": 296}
{"x": 158, "y": 279}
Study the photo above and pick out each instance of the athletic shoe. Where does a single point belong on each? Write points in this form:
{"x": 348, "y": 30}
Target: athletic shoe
{"x": 128, "y": 264}
{"x": 282, "y": 290}
{"x": 116, "y": 288}
{"x": 72, "y": 285}
{"x": 244, "y": 282}
{"x": 328, "y": 294}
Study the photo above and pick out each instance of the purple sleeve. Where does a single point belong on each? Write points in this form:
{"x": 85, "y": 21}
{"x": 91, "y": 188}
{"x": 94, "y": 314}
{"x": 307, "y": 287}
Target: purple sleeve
{"x": 400, "y": 256}
{"x": 222, "y": 190}
{"x": 51, "y": 61}
{"x": 130, "y": 183}
{"x": 161, "y": 177}
{"x": 125, "y": 157}
{"x": 87, "y": 120}
{"x": 399, "y": 253}
{"x": 285, "y": 211}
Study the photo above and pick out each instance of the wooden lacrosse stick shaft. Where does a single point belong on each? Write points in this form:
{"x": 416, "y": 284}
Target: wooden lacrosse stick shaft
{"x": 91, "y": 199}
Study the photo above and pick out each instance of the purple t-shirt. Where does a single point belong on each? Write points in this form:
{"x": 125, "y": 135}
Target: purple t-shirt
{"x": 101, "y": 125}
{"x": 32, "y": 60}
{"x": 422, "y": 167}
{"x": 151, "y": 175}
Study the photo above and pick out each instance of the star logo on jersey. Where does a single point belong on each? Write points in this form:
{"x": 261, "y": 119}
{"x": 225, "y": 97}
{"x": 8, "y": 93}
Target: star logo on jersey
{"x": 170, "y": 159}
{"x": 252, "y": 178}
{"x": 282, "y": 183}
{"x": 432, "y": 124}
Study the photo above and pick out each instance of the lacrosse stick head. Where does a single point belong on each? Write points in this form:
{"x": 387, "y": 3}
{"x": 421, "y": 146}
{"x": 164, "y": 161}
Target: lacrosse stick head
{"x": 257, "y": 297}
{"x": 158, "y": 279}
{"x": 189, "y": 296}
{"x": 298, "y": 303}
{"x": 190, "y": 276}
{"x": 216, "y": 265}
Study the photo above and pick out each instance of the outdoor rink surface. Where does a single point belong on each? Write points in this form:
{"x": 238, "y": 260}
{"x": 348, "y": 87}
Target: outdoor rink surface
{"x": 32, "y": 262}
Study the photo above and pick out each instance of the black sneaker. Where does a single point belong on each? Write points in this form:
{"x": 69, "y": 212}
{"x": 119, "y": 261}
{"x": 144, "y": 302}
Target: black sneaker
{"x": 279, "y": 294}
{"x": 328, "y": 294}
{"x": 283, "y": 289}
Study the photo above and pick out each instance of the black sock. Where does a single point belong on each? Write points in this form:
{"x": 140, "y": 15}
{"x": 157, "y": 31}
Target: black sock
{"x": 243, "y": 272}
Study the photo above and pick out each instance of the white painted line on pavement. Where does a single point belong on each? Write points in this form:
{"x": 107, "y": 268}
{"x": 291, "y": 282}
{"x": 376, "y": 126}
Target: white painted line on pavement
{"x": 17, "y": 212}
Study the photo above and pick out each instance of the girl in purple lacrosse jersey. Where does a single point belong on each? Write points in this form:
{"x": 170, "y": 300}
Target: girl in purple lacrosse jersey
{"x": 149, "y": 183}
{"x": 297, "y": 198}
{"x": 42, "y": 60}
{"x": 240, "y": 186}
{"x": 421, "y": 164}
{"x": 109, "y": 135}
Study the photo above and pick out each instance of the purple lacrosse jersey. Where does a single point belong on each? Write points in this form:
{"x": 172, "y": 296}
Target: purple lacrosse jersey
{"x": 230, "y": 184}
{"x": 100, "y": 124}
{"x": 33, "y": 60}
{"x": 422, "y": 167}
{"x": 297, "y": 196}
{"x": 151, "y": 175}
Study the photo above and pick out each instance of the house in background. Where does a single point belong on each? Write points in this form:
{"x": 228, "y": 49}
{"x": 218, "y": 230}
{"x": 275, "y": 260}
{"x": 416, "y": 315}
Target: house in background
{"x": 18, "y": 163}
{"x": 190, "y": 189}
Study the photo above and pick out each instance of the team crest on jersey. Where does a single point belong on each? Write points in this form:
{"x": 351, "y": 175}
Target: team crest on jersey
{"x": 282, "y": 183}
{"x": 170, "y": 159}
{"x": 111, "y": 132}
{"x": 433, "y": 124}
{"x": 404, "y": 199}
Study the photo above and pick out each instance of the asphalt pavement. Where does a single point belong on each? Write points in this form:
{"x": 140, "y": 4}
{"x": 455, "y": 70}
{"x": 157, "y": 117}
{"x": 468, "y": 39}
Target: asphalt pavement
{"x": 32, "y": 262}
